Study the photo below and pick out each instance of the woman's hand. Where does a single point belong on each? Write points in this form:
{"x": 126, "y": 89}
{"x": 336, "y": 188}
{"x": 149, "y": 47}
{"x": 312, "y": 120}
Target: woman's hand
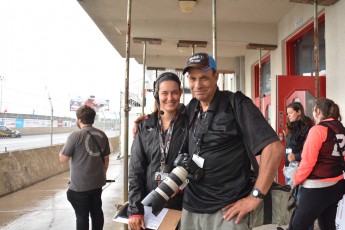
{"x": 136, "y": 222}
{"x": 291, "y": 157}
{"x": 179, "y": 191}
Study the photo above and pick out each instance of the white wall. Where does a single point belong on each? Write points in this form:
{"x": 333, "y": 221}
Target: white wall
{"x": 335, "y": 54}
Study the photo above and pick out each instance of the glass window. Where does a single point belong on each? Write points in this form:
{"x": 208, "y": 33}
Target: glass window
{"x": 304, "y": 52}
{"x": 266, "y": 77}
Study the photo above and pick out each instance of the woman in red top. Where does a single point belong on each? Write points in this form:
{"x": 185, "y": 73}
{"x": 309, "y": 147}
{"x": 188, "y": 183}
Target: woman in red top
{"x": 320, "y": 172}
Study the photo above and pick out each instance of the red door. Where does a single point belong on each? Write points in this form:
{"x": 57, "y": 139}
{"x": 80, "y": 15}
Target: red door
{"x": 290, "y": 89}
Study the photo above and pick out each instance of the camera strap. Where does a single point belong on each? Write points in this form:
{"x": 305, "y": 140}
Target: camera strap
{"x": 202, "y": 122}
{"x": 184, "y": 138}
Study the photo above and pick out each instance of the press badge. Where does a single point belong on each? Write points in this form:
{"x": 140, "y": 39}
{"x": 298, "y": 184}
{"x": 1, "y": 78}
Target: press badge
{"x": 160, "y": 176}
{"x": 199, "y": 161}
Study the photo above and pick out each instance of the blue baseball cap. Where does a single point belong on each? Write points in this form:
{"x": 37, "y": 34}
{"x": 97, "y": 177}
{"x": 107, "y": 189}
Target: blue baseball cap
{"x": 201, "y": 61}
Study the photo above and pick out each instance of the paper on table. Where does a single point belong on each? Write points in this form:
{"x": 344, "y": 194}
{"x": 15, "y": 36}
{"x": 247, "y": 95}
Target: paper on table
{"x": 152, "y": 221}
{"x": 120, "y": 219}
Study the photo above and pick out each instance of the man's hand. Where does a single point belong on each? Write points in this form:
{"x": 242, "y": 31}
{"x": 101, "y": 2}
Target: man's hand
{"x": 136, "y": 222}
{"x": 241, "y": 208}
{"x": 136, "y": 122}
{"x": 269, "y": 162}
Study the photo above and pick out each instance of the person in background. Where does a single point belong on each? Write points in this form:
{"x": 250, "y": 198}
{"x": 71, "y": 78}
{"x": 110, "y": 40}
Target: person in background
{"x": 155, "y": 147}
{"x": 87, "y": 150}
{"x": 320, "y": 172}
{"x": 298, "y": 126}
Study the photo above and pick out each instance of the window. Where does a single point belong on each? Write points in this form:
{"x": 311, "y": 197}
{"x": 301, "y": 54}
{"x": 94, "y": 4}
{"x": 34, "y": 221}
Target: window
{"x": 265, "y": 77}
{"x": 300, "y": 51}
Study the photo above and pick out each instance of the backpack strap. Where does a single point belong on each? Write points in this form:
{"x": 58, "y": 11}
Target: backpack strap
{"x": 253, "y": 161}
{"x": 97, "y": 145}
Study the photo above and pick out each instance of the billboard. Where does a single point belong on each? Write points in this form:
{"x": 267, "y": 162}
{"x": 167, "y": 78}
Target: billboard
{"x": 91, "y": 101}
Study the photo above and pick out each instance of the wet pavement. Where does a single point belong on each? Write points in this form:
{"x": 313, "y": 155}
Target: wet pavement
{"x": 44, "y": 205}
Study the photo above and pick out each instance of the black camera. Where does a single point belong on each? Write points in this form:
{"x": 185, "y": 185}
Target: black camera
{"x": 194, "y": 171}
{"x": 185, "y": 168}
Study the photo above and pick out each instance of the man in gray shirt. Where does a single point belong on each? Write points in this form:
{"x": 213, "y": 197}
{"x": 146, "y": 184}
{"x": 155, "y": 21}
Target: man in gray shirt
{"x": 88, "y": 149}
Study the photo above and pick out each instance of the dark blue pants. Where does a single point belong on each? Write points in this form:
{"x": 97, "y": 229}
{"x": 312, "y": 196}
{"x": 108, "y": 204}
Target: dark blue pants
{"x": 320, "y": 204}
{"x": 85, "y": 204}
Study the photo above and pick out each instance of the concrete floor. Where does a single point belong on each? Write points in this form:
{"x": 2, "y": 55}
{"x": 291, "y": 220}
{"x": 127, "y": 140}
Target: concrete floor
{"x": 45, "y": 206}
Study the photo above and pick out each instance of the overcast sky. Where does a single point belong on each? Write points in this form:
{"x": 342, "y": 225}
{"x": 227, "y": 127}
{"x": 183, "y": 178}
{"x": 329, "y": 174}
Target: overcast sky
{"x": 52, "y": 46}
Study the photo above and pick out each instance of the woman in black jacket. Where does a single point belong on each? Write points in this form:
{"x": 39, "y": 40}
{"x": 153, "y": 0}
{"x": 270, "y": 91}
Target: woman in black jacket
{"x": 298, "y": 126}
{"x": 156, "y": 146}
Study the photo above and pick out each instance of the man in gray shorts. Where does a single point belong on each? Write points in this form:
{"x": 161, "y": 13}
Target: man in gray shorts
{"x": 219, "y": 131}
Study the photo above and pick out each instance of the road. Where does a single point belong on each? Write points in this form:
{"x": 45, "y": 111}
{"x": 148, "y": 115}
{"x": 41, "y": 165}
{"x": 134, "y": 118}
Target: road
{"x": 34, "y": 141}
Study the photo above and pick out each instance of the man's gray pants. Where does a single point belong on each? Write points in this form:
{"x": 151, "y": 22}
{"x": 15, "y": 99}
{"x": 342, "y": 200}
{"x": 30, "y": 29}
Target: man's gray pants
{"x": 214, "y": 221}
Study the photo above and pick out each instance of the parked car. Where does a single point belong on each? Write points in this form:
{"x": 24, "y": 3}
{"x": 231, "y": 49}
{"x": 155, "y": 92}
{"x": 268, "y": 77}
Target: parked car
{"x": 7, "y": 132}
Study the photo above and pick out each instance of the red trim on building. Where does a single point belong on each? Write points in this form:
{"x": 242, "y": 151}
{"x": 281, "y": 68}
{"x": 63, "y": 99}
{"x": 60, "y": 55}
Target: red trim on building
{"x": 256, "y": 74}
{"x": 290, "y": 51}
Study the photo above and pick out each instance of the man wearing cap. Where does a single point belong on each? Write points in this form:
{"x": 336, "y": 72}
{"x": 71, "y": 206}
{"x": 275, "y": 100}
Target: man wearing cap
{"x": 224, "y": 196}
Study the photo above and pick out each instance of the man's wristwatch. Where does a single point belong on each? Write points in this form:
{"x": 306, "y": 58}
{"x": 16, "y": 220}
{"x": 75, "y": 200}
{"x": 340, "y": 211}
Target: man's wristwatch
{"x": 257, "y": 194}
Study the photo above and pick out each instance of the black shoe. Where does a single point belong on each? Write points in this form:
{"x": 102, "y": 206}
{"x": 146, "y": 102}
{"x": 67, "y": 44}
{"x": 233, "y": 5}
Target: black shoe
{"x": 280, "y": 228}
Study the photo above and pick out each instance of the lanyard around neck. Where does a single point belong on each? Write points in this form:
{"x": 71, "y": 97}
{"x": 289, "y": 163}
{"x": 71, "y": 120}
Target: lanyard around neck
{"x": 165, "y": 139}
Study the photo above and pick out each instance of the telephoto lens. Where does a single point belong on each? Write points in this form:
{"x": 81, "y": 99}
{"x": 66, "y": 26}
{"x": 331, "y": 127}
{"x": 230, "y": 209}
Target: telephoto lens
{"x": 158, "y": 198}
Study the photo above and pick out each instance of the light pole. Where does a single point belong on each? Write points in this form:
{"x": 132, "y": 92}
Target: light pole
{"x": 1, "y": 79}
{"x": 51, "y": 117}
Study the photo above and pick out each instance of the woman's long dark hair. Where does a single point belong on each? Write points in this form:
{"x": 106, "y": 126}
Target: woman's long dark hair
{"x": 297, "y": 106}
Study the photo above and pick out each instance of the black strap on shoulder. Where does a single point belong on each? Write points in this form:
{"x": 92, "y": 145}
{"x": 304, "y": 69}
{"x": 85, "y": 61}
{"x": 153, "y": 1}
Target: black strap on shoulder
{"x": 267, "y": 215}
{"x": 251, "y": 156}
{"x": 340, "y": 149}
{"x": 97, "y": 145}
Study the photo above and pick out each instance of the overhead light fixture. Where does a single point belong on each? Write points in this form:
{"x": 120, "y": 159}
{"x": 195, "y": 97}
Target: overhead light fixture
{"x": 319, "y": 2}
{"x": 184, "y": 45}
{"x": 156, "y": 68}
{"x": 154, "y": 41}
{"x": 189, "y": 43}
{"x": 187, "y": 5}
{"x": 255, "y": 46}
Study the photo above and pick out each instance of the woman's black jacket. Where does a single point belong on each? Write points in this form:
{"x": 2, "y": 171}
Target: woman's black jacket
{"x": 145, "y": 160}
{"x": 296, "y": 139}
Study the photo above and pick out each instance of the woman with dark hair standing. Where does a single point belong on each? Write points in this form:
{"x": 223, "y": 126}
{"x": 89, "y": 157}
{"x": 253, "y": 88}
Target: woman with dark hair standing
{"x": 320, "y": 172}
{"x": 298, "y": 126}
{"x": 155, "y": 147}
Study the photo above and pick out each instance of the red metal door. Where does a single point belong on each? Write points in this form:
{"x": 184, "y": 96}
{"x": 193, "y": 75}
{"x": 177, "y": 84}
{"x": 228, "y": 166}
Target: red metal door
{"x": 294, "y": 88}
